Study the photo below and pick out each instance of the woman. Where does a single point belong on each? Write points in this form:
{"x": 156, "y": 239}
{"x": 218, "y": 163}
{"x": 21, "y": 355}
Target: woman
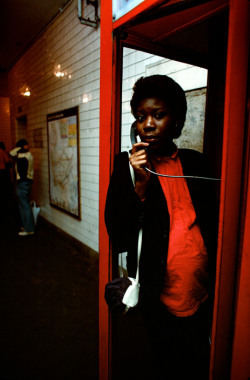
{"x": 24, "y": 168}
{"x": 179, "y": 218}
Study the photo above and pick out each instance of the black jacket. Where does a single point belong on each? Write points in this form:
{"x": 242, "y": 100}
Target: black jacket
{"x": 125, "y": 214}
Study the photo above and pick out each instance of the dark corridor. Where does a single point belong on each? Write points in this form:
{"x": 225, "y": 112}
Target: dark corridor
{"x": 48, "y": 308}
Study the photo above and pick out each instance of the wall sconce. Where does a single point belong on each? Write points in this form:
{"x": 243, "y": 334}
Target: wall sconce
{"x": 26, "y": 92}
{"x": 58, "y": 73}
{"x": 85, "y": 98}
{"x": 86, "y": 21}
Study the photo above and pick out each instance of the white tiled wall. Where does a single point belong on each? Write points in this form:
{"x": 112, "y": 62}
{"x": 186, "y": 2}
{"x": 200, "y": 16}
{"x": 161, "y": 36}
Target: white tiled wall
{"x": 137, "y": 64}
{"x": 75, "y": 47}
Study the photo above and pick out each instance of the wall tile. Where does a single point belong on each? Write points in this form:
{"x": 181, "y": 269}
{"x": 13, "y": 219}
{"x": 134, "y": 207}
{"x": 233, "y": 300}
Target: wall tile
{"x": 75, "y": 48}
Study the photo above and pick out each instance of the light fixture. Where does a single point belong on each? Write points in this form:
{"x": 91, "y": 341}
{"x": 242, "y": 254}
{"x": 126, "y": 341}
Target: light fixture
{"x": 85, "y": 98}
{"x": 26, "y": 92}
{"x": 58, "y": 73}
{"x": 86, "y": 21}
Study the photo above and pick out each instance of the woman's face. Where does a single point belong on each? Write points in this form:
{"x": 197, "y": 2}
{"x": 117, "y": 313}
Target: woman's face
{"x": 155, "y": 124}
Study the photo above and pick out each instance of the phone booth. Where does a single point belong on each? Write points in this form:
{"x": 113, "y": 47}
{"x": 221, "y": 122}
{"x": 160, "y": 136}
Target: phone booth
{"x": 212, "y": 36}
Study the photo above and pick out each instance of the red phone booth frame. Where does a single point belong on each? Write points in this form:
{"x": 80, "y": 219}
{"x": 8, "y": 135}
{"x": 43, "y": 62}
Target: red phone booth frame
{"x": 223, "y": 351}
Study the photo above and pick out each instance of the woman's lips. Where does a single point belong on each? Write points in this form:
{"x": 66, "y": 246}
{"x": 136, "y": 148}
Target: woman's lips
{"x": 151, "y": 139}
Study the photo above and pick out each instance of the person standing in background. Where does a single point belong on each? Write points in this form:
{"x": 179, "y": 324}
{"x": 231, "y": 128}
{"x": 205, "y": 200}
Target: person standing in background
{"x": 5, "y": 184}
{"x": 24, "y": 168}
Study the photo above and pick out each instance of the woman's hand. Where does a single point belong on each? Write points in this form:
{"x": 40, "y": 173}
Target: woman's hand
{"x": 139, "y": 160}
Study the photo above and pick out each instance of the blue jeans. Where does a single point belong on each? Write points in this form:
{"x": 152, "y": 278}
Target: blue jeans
{"x": 23, "y": 195}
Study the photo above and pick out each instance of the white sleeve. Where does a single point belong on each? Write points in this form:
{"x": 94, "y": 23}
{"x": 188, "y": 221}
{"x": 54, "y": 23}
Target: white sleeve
{"x": 14, "y": 151}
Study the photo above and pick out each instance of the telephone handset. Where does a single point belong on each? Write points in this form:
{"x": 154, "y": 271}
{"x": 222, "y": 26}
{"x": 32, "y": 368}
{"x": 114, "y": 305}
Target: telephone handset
{"x": 133, "y": 138}
{"x": 133, "y": 133}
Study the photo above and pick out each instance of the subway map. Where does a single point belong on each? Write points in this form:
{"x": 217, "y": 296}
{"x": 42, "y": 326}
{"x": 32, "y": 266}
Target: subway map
{"x": 63, "y": 164}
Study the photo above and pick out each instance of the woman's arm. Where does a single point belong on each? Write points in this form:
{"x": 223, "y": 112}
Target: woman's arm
{"x": 124, "y": 209}
{"x": 13, "y": 153}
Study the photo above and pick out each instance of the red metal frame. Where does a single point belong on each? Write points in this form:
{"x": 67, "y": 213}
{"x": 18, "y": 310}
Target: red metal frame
{"x": 233, "y": 142}
{"x": 241, "y": 348}
{"x": 104, "y": 175}
{"x": 234, "y": 118}
{"x": 110, "y": 82}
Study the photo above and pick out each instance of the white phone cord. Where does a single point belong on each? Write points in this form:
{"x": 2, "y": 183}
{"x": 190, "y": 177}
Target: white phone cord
{"x": 182, "y": 176}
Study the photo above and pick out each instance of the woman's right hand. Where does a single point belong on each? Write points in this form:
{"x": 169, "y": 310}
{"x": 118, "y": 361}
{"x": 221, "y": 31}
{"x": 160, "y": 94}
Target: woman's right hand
{"x": 139, "y": 160}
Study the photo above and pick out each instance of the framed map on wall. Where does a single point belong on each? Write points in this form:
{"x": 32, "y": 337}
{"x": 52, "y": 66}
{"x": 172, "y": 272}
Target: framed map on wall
{"x": 63, "y": 153}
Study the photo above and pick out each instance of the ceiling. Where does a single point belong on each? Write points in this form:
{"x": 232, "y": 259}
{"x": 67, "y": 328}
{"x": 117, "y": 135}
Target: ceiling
{"x": 21, "y": 21}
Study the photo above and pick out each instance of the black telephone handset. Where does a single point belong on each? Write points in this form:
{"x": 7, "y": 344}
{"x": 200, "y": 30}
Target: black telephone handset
{"x": 133, "y": 133}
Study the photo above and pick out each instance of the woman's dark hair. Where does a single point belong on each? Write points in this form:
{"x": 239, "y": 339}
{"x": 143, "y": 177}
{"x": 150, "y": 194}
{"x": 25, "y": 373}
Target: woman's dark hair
{"x": 21, "y": 143}
{"x": 166, "y": 89}
{"x": 2, "y": 145}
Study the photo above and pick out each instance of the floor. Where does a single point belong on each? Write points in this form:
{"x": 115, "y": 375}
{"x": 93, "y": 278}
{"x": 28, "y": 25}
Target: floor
{"x": 49, "y": 310}
{"x": 48, "y": 306}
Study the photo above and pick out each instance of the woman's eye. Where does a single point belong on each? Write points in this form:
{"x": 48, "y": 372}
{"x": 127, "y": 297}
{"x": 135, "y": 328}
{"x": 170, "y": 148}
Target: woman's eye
{"x": 140, "y": 118}
{"x": 159, "y": 115}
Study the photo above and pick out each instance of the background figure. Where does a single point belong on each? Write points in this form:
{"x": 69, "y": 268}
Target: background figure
{"x": 24, "y": 168}
{"x": 5, "y": 184}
